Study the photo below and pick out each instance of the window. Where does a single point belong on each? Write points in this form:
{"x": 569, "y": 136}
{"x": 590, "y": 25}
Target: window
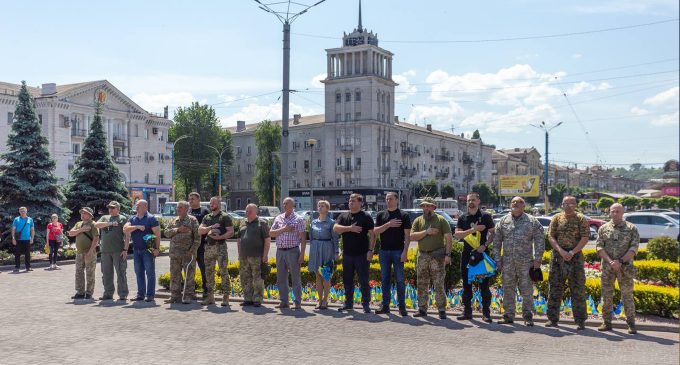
{"x": 338, "y": 162}
{"x": 294, "y": 164}
{"x": 358, "y": 162}
{"x": 306, "y": 164}
{"x": 146, "y": 178}
{"x": 160, "y": 180}
{"x": 318, "y": 164}
{"x": 146, "y": 156}
{"x": 238, "y": 202}
{"x": 249, "y": 169}
{"x": 638, "y": 219}
{"x": 338, "y": 117}
{"x": 136, "y": 130}
{"x": 348, "y": 163}
{"x": 160, "y": 157}
{"x": 146, "y": 133}
{"x": 338, "y": 97}
{"x": 40, "y": 120}
{"x": 357, "y": 116}
{"x": 76, "y": 149}
{"x": 248, "y": 153}
{"x": 10, "y": 118}
{"x": 357, "y": 96}
{"x": 338, "y": 182}
{"x": 348, "y": 97}
{"x": 238, "y": 187}
{"x": 250, "y": 187}
{"x": 348, "y": 117}
{"x": 161, "y": 138}
{"x": 659, "y": 221}
{"x": 306, "y": 183}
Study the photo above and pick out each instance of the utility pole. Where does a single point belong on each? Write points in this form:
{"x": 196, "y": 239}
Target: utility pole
{"x": 547, "y": 130}
{"x": 286, "y": 18}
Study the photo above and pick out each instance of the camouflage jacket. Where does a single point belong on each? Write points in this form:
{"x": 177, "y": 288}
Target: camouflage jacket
{"x": 181, "y": 243}
{"x": 617, "y": 239}
{"x": 568, "y": 231}
{"x": 520, "y": 239}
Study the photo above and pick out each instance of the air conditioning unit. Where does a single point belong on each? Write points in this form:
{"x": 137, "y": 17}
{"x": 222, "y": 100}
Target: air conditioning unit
{"x": 154, "y": 130}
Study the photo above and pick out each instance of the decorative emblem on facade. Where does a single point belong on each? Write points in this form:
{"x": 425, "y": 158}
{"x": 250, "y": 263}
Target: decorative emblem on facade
{"x": 100, "y": 96}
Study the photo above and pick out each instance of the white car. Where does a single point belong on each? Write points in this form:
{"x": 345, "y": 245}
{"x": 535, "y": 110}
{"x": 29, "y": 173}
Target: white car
{"x": 651, "y": 225}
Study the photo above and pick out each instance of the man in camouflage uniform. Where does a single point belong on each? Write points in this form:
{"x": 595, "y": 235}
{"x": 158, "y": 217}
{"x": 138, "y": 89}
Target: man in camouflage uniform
{"x": 184, "y": 242}
{"x": 217, "y": 225}
{"x": 617, "y": 244}
{"x": 520, "y": 237}
{"x": 568, "y": 234}
{"x": 87, "y": 240}
{"x": 253, "y": 251}
{"x": 433, "y": 234}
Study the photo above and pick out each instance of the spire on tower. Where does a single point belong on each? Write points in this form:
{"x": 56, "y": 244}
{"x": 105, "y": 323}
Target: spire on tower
{"x": 361, "y": 29}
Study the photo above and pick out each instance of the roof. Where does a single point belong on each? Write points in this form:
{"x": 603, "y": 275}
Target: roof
{"x": 519, "y": 150}
{"x": 309, "y": 120}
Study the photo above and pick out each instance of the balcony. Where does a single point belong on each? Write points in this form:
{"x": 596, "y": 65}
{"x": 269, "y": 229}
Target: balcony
{"x": 444, "y": 157}
{"x": 292, "y": 170}
{"x": 408, "y": 152}
{"x": 407, "y": 172}
{"x": 467, "y": 160}
{"x": 347, "y": 148}
{"x": 119, "y": 140}
{"x": 78, "y": 133}
{"x": 121, "y": 159}
{"x": 442, "y": 174}
{"x": 385, "y": 149}
{"x": 344, "y": 168}
{"x": 385, "y": 169}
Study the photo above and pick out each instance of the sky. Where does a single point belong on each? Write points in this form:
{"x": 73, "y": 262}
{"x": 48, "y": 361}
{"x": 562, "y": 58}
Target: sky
{"x": 608, "y": 70}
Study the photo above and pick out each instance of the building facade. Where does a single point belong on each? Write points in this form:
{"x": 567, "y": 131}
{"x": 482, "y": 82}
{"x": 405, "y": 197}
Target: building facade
{"x": 361, "y": 145}
{"x": 136, "y": 138}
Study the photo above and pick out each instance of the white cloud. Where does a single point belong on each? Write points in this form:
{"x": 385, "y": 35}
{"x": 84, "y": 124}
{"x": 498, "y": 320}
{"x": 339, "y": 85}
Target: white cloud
{"x": 664, "y": 98}
{"x": 405, "y": 89}
{"x": 253, "y": 113}
{"x": 666, "y": 120}
{"x": 585, "y": 86}
{"x": 439, "y": 116}
{"x": 156, "y": 102}
{"x": 514, "y": 120}
{"x": 316, "y": 80}
{"x": 639, "y": 111}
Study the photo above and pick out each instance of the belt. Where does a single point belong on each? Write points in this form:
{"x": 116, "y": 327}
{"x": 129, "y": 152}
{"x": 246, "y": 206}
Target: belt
{"x": 316, "y": 239}
{"x": 287, "y": 248}
{"x": 215, "y": 243}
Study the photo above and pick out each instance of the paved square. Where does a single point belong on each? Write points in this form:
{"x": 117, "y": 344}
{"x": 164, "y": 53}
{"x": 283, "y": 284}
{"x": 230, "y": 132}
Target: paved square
{"x": 42, "y": 325}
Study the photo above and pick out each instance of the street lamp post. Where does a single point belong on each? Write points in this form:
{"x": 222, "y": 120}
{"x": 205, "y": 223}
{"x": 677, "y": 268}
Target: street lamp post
{"x": 547, "y": 130}
{"x": 172, "y": 163}
{"x": 219, "y": 168}
{"x": 286, "y": 17}
{"x": 311, "y": 142}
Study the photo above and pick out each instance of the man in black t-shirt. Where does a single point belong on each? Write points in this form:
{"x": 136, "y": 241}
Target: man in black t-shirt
{"x": 355, "y": 227}
{"x": 394, "y": 228}
{"x": 199, "y": 212}
{"x": 474, "y": 221}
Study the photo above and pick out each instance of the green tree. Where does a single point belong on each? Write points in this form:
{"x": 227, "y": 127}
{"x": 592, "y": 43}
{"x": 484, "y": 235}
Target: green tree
{"x": 267, "y": 163}
{"x": 475, "y": 134}
{"x": 629, "y": 202}
{"x": 426, "y": 188}
{"x": 194, "y": 162}
{"x": 582, "y": 205}
{"x": 27, "y": 174}
{"x": 557, "y": 193}
{"x": 448, "y": 191}
{"x": 647, "y": 203}
{"x": 95, "y": 180}
{"x": 604, "y": 203}
{"x": 667, "y": 202}
{"x": 486, "y": 194}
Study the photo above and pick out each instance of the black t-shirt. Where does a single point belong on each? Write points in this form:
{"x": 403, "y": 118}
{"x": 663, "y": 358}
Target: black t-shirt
{"x": 354, "y": 244}
{"x": 199, "y": 214}
{"x": 467, "y": 221}
{"x": 393, "y": 237}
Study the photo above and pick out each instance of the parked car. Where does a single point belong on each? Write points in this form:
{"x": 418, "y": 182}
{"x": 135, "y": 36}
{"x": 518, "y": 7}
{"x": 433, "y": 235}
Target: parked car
{"x": 545, "y": 222}
{"x": 595, "y": 223}
{"x": 651, "y": 225}
{"x": 264, "y": 211}
{"x": 674, "y": 215}
{"x": 242, "y": 213}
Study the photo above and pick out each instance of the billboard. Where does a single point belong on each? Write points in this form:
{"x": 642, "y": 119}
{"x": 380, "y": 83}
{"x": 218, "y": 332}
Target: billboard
{"x": 527, "y": 186}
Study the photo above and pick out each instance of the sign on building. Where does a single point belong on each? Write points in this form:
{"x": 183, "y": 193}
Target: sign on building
{"x": 527, "y": 186}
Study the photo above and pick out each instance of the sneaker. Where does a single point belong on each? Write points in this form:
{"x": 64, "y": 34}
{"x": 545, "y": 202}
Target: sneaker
{"x": 487, "y": 318}
{"x": 29, "y": 269}
{"x": 56, "y": 267}
{"x": 605, "y": 327}
{"x": 580, "y": 326}
{"x": 403, "y": 312}
{"x": 149, "y": 299}
{"x": 346, "y": 307}
{"x": 383, "y": 310}
{"x": 367, "y": 308}
{"x": 15, "y": 270}
{"x": 442, "y": 314}
{"x": 551, "y": 324}
{"x": 506, "y": 320}
{"x": 246, "y": 303}
{"x": 78, "y": 296}
{"x": 420, "y": 313}
{"x": 171, "y": 301}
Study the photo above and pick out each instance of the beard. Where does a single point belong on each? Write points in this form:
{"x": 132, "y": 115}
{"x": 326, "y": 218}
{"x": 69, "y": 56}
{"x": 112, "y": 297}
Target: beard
{"x": 428, "y": 214}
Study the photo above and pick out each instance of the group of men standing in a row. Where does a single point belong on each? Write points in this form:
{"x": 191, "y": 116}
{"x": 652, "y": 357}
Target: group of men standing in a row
{"x": 518, "y": 246}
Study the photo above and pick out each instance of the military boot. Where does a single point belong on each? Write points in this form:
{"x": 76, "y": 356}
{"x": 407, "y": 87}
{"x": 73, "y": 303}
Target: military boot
{"x": 631, "y": 327}
{"x": 209, "y": 299}
{"x": 605, "y": 326}
{"x": 225, "y": 300}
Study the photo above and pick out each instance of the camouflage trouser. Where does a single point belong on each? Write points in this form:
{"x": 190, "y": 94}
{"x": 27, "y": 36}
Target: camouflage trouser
{"x": 431, "y": 269}
{"x": 516, "y": 273}
{"x": 85, "y": 269}
{"x": 573, "y": 272}
{"x": 251, "y": 279}
{"x": 179, "y": 263}
{"x": 625, "y": 278}
{"x": 217, "y": 254}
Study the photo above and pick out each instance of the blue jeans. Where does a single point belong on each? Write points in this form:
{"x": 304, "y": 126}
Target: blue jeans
{"x": 145, "y": 264}
{"x": 388, "y": 260}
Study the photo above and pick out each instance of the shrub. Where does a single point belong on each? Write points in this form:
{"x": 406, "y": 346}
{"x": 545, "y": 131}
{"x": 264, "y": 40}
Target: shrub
{"x": 663, "y": 248}
{"x": 664, "y": 272}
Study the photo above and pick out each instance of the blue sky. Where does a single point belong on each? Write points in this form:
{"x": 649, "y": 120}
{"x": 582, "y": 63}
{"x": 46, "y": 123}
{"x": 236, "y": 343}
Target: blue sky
{"x": 622, "y": 86}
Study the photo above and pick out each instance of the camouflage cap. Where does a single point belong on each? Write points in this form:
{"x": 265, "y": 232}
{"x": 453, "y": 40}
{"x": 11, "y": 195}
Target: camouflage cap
{"x": 87, "y": 210}
{"x": 114, "y": 204}
{"x": 428, "y": 201}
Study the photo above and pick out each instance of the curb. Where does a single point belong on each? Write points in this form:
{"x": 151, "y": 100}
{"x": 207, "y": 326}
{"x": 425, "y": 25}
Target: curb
{"x": 44, "y": 264}
{"x": 617, "y": 324}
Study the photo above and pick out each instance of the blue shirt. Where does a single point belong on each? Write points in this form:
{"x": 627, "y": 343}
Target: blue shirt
{"x": 322, "y": 232}
{"x": 23, "y": 228}
{"x": 137, "y": 236}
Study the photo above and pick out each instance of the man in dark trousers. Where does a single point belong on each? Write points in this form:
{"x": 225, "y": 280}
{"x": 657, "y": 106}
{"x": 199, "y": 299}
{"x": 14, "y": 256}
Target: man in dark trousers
{"x": 355, "y": 227}
{"x": 199, "y": 212}
{"x": 474, "y": 221}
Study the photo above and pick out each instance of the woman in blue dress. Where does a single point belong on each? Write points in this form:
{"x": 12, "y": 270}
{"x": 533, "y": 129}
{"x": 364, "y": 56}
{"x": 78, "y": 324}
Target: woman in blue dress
{"x": 323, "y": 249}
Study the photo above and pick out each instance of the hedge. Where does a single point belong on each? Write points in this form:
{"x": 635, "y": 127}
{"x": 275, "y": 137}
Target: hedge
{"x": 590, "y": 255}
{"x": 665, "y": 272}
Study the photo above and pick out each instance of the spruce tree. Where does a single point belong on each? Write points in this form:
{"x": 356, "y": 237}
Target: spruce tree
{"x": 27, "y": 172}
{"x": 95, "y": 180}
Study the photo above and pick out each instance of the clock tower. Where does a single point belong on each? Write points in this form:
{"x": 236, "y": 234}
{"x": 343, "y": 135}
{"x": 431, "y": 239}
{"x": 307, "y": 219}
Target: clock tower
{"x": 359, "y": 85}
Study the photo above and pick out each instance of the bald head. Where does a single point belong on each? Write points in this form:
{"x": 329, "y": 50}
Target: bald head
{"x": 616, "y": 213}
